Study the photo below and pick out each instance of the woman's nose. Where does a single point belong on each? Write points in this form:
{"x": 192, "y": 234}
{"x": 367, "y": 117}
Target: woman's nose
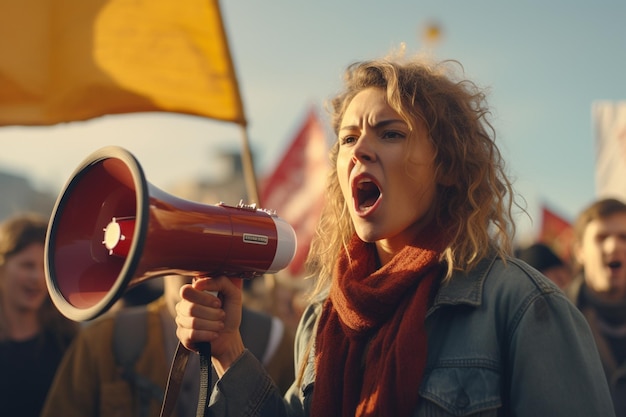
{"x": 363, "y": 151}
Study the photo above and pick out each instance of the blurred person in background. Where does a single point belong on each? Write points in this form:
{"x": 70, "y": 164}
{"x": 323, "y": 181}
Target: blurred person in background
{"x": 33, "y": 334}
{"x": 541, "y": 257}
{"x": 599, "y": 289}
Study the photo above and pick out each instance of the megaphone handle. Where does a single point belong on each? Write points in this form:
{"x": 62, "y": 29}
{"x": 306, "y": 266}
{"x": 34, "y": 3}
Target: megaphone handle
{"x": 204, "y": 350}
{"x": 175, "y": 378}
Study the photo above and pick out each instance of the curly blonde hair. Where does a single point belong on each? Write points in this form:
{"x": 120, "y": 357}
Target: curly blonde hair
{"x": 477, "y": 199}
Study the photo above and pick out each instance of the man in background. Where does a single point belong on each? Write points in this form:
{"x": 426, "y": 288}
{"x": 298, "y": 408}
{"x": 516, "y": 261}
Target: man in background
{"x": 599, "y": 289}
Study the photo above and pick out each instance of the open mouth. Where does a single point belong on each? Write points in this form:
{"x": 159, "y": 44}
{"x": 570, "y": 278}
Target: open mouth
{"x": 615, "y": 264}
{"x": 367, "y": 193}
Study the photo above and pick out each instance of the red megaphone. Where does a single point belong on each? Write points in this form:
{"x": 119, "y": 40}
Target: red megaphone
{"x": 110, "y": 230}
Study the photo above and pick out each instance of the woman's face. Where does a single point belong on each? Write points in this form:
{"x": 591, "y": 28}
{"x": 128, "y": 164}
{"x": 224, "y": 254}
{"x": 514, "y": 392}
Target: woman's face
{"x": 23, "y": 279}
{"x": 387, "y": 180}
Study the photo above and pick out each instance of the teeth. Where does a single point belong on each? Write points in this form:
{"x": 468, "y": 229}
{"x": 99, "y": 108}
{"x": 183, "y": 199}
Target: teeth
{"x": 363, "y": 181}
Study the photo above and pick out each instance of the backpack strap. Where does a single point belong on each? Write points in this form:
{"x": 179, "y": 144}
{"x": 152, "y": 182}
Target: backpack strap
{"x": 129, "y": 338}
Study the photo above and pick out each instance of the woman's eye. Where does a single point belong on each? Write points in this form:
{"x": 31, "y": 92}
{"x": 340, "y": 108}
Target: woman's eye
{"x": 347, "y": 140}
{"x": 393, "y": 135}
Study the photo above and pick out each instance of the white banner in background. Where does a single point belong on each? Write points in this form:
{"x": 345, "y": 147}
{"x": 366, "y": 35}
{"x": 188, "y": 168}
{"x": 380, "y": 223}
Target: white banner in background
{"x": 609, "y": 122}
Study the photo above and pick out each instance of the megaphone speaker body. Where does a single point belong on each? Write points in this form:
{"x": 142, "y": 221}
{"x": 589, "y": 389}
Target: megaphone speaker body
{"x": 111, "y": 230}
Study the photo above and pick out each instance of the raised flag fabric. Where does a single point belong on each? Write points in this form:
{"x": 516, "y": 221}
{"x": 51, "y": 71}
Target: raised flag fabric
{"x": 69, "y": 60}
{"x": 609, "y": 120}
{"x": 556, "y": 232}
{"x": 295, "y": 189}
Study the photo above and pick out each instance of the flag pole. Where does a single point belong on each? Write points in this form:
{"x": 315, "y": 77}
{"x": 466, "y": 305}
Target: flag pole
{"x": 252, "y": 188}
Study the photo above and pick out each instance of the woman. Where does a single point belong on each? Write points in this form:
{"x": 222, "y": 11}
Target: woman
{"x": 418, "y": 308}
{"x": 33, "y": 334}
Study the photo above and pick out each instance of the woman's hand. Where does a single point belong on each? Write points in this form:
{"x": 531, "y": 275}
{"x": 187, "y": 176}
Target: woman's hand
{"x": 203, "y": 317}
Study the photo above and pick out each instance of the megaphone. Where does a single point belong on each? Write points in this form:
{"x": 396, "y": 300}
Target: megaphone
{"x": 111, "y": 230}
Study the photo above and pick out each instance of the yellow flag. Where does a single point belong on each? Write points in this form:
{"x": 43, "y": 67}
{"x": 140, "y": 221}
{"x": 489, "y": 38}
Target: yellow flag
{"x": 67, "y": 60}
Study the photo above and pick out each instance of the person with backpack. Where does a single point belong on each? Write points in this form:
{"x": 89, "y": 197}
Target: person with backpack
{"x": 119, "y": 363}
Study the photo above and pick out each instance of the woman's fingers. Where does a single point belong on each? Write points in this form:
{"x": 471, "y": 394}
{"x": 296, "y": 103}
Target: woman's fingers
{"x": 209, "y": 311}
{"x": 227, "y": 287}
{"x": 199, "y": 296}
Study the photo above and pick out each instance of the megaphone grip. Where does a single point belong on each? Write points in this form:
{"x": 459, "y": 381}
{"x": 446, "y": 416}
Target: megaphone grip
{"x": 204, "y": 349}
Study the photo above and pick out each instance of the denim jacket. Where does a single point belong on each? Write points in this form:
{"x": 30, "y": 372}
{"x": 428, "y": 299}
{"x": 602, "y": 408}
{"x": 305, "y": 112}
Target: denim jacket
{"x": 502, "y": 341}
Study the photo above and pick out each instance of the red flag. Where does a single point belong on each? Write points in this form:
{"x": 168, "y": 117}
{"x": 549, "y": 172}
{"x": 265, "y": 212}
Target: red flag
{"x": 557, "y": 233}
{"x": 296, "y": 187}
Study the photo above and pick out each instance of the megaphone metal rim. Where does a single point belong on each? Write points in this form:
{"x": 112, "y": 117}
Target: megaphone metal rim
{"x": 141, "y": 225}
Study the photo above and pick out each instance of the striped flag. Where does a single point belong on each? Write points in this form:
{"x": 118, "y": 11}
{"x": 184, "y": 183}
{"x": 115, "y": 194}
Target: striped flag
{"x": 69, "y": 60}
{"x": 609, "y": 119}
{"x": 295, "y": 189}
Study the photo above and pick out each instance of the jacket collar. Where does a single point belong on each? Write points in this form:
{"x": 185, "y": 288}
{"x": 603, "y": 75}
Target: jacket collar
{"x": 464, "y": 287}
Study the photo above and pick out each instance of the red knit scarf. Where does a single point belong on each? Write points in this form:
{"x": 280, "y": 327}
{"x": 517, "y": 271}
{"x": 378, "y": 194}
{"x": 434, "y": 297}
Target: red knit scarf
{"x": 371, "y": 339}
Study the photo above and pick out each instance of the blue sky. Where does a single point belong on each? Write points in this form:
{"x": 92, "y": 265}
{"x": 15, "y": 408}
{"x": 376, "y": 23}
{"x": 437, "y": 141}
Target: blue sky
{"x": 544, "y": 62}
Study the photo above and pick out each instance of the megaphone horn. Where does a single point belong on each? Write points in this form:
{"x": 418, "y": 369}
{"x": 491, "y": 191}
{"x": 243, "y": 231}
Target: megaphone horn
{"x": 111, "y": 230}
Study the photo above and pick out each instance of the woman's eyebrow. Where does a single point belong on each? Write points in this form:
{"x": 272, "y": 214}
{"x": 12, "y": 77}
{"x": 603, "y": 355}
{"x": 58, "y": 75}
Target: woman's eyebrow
{"x": 382, "y": 123}
{"x": 387, "y": 122}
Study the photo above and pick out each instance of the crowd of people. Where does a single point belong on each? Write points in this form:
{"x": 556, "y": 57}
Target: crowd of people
{"x": 420, "y": 305}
